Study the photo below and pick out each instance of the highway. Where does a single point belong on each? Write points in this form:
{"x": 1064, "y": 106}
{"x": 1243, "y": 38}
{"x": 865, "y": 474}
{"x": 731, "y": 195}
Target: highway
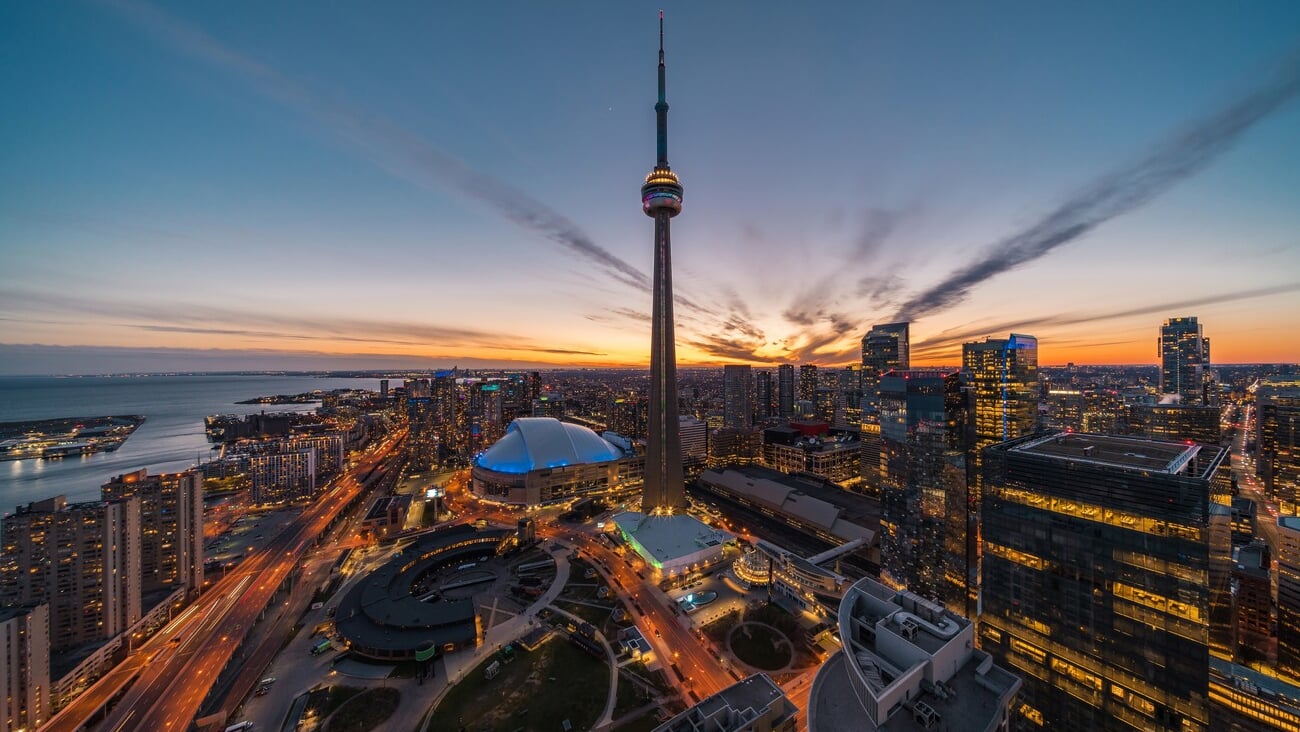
{"x": 186, "y": 658}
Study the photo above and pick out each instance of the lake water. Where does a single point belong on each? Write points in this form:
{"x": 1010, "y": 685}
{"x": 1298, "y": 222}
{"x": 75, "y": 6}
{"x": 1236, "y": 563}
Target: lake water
{"x": 172, "y": 437}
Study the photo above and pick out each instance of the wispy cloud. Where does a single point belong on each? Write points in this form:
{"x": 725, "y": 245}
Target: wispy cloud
{"x": 950, "y": 339}
{"x": 395, "y": 149}
{"x": 1117, "y": 193}
{"x": 205, "y": 320}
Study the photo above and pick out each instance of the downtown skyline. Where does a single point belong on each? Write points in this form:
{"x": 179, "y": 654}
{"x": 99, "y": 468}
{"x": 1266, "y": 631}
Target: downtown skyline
{"x": 248, "y": 189}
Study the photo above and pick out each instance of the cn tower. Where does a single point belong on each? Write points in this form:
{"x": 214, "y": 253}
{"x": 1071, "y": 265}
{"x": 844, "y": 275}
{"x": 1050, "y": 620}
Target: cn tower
{"x": 661, "y": 199}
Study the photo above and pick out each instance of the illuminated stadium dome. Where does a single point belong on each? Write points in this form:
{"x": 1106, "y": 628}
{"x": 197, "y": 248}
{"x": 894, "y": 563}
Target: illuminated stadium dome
{"x": 543, "y": 460}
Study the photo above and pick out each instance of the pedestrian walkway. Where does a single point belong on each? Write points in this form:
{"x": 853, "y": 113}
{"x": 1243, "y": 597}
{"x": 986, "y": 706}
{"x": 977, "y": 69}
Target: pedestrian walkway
{"x": 608, "y": 715}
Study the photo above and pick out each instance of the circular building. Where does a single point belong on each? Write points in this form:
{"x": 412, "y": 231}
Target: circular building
{"x": 380, "y": 618}
{"x": 542, "y": 460}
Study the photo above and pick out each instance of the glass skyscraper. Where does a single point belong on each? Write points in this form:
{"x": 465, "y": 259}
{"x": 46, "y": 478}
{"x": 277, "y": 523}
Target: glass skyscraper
{"x": 1097, "y": 575}
{"x": 884, "y": 348}
{"x": 1184, "y": 356}
{"x": 924, "y": 513}
{"x": 737, "y": 397}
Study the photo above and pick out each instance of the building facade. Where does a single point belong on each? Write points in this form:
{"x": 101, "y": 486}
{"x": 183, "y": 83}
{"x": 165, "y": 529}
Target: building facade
{"x": 1096, "y": 577}
{"x": 541, "y": 460}
{"x": 924, "y": 507}
{"x": 171, "y": 525}
{"x": 785, "y": 391}
{"x": 1288, "y": 599}
{"x": 1184, "y": 354}
{"x": 737, "y": 397}
{"x": 24, "y": 668}
{"x": 80, "y": 559}
{"x": 1278, "y": 445}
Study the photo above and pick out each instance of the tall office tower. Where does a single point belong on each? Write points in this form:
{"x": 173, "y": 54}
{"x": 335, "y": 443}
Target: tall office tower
{"x": 422, "y": 440}
{"x": 1288, "y": 598}
{"x": 764, "y": 408}
{"x": 1278, "y": 441}
{"x": 1252, "y": 603}
{"x": 824, "y": 404}
{"x": 695, "y": 444}
{"x": 808, "y": 383}
{"x": 785, "y": 391}
{"x": 737, "y": 397}
{"x": 171, "y": 525}
{"x": 1001, "y": 375}
{"x": 885, "y": 348}
{"x": 81, "y": 559}
{"x": 1096, "y": 571}
{"x": 626, "y": 415}
{"x": 534, "y": 384}
{"x": 848, "y": 398}
{"x": 24, "y": 667}
{"x": 924, "y": 512}
{"x": 1184, "y": 353}
{"x": 383, "y": 388}
{"x": 449, "y": 419}
{"x": 1175, "y": 422}
{"x": 661, "y": 199}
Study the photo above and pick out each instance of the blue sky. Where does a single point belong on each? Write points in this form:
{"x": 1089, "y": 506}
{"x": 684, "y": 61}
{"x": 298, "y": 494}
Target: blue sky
{"x": 347, "y": 179}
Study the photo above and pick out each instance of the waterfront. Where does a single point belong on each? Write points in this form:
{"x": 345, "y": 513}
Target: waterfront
{"x": 171, "y": 438}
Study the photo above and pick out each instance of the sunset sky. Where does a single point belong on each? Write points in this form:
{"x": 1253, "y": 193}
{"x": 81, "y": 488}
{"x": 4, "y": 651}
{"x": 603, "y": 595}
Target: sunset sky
{"x": 350, "y": 185}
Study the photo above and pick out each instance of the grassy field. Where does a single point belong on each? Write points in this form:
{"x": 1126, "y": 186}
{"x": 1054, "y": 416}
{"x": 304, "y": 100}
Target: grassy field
{"x": 537, "y": 691}
{"x": 365, "y": 711}
{"x": 594, "y": 615}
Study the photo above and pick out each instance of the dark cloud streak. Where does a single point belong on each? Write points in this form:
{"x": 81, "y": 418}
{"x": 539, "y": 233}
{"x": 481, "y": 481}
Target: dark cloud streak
{"x": 1117, "y": 193}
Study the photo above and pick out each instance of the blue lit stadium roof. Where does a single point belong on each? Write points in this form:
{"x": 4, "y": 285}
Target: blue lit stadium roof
{"x": 543, "y": 442}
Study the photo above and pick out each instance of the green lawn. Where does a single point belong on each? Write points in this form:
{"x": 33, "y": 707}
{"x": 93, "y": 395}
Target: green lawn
{"x": 537, "y": 691}
{"x": 761, "y": 647}
{"x": 338, "y": 695}
{"x": 720, "y": 628}
{"x": 365, "y": 711}
{"x": 594, "y": 615}
{"x": 630, "y": 696}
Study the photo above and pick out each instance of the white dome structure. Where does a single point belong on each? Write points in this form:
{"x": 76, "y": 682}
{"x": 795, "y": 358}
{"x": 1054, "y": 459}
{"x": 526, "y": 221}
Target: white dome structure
{"x": 545, "y": 442}
{"x": 543, "y": 460}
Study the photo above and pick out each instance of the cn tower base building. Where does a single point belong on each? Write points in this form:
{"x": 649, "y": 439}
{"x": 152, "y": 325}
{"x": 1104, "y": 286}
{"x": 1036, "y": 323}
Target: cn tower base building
{"x": 675, "y": 545}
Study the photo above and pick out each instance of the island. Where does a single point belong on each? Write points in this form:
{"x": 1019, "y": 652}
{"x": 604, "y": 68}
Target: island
{"x": 65, "y": 436}
{"x": 304, "y": 398}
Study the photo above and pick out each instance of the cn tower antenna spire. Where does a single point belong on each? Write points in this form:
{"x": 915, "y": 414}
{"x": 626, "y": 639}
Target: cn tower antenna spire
{"x": 661, "y": 38}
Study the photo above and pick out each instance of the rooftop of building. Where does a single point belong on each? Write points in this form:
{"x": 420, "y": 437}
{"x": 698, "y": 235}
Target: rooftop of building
{"x": 810, "y": 499}
{"x": 1289, "y": 522}
{"x": 732, "y": 708}
{"x": 893, "y": 641}
{"x": 379, "y": 612}
{"x": 1132, "y": 453}
{"x": 669, "y": 538}
{"x": 383, "y": 504}
{"x": 531, "y": 443}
